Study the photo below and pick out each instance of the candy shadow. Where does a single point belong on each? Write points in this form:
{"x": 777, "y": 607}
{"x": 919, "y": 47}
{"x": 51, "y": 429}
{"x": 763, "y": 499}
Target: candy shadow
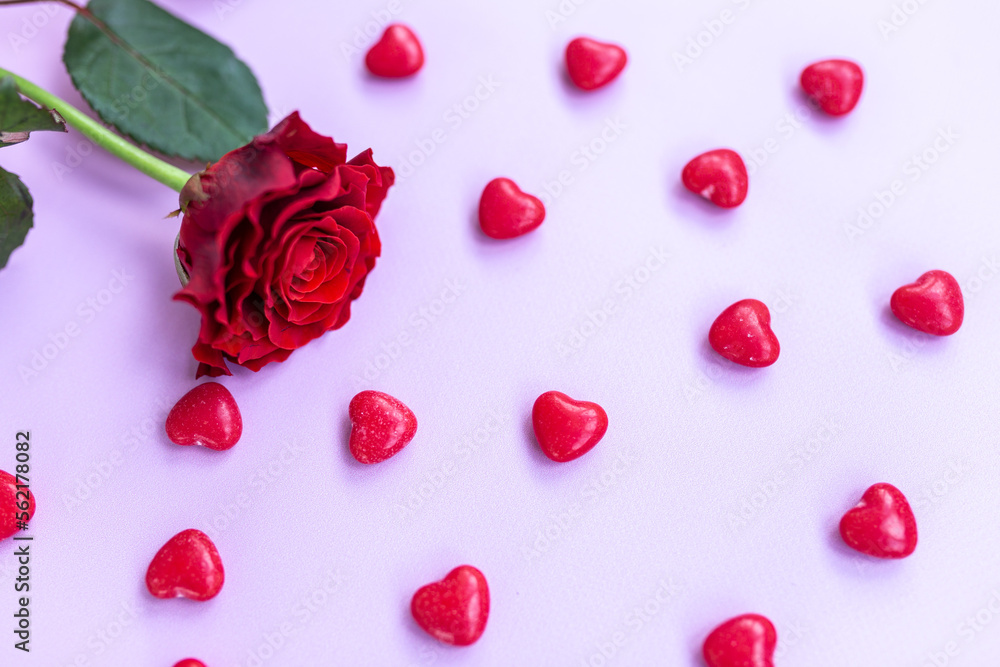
{"x": 414, "y": 630}
{"x": 491, "y": 246}
{"x": 542, "y": 463}
{"x": 690, "y": 206}
{"x": 355, "y": 466}
{"x": 203, "y": 453}
{"x": 345, "y": 446}
{"x": 697, "y": 651}
{"x": 855, "y": 564}
{"x": 836, "y": 542}
{"x": 817, "y": 120}
{"x": 386, "y": 86}
{"x": 582, "y": 101}
{"x": 477, "y": 232}
{"x": 903, "y": 336}
{"x": 731, "y": 370}
{"x": 894, "y": 325}
{"x": 846, "y": 559}
{"x": 148, "y": 605}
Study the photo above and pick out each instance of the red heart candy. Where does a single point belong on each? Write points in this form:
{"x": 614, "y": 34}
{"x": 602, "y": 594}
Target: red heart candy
{"x": 188, "y": 565}
{"x": 719, "y": 176}
{"x": 455, "y": 609}
{"x": 567, "y": 429}
{"x": 397, "y": 53}
{"x": 882, "y": 524}
{"x": 592, "y": 64}
{"x": 745, "y": 641}
{"x": 9, "y": 510}
{"x": 933, "y": 304}
{"x": 208, "y": 416}
{"x": 190, "y": 662}
{"x": 834, "y": 84}
{"x": 380, "y": 426}
{"x": 506, "y": 212}
{"x": 742, "y": 333}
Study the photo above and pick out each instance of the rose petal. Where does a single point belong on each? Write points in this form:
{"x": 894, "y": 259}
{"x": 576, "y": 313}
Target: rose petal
{"x": 380, "y": 179}
{"x": 299, "y": 142}
{"x": 278, "y": 238}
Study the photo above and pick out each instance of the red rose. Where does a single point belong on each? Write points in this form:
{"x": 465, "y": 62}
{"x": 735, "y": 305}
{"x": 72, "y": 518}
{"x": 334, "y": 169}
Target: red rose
{"x": 277, "y": 238}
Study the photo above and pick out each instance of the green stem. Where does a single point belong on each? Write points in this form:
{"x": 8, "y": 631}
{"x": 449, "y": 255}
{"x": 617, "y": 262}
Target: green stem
{"x": 154, "y": 167}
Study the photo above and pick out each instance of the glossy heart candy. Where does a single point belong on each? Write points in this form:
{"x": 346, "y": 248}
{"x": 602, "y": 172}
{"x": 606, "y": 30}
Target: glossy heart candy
{"x": 882, "y": 524}
{"x": 455, "y": 609}
{"x": 380, "y": 426}
{"x": 208, "y": 416}
{"x": 742, "y": 334}
{"x": 567, "y": 429}
{"x": 9, "y": 511}
{"x": 592, "y": 64}
{"x": 188, "y": 565}
{"x": 719, "y": 176}
{"x": 397, "y": 53}
{"x": 744, "y": 641}
{"x": 190, "y": 662}
{"x": 933, "y": 304}
{"x": 506, "y": 212}
{"x": 834, "y": 84}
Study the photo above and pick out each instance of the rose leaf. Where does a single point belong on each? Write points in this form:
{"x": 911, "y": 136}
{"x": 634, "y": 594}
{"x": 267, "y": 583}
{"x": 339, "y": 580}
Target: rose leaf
{"x": 20, "y": 117}
{"x": 162, "y": 82}
{"x": 15, "y": 214}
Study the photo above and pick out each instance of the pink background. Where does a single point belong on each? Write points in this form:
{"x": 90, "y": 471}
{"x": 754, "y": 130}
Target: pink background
{"x": 320, "y": 558}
